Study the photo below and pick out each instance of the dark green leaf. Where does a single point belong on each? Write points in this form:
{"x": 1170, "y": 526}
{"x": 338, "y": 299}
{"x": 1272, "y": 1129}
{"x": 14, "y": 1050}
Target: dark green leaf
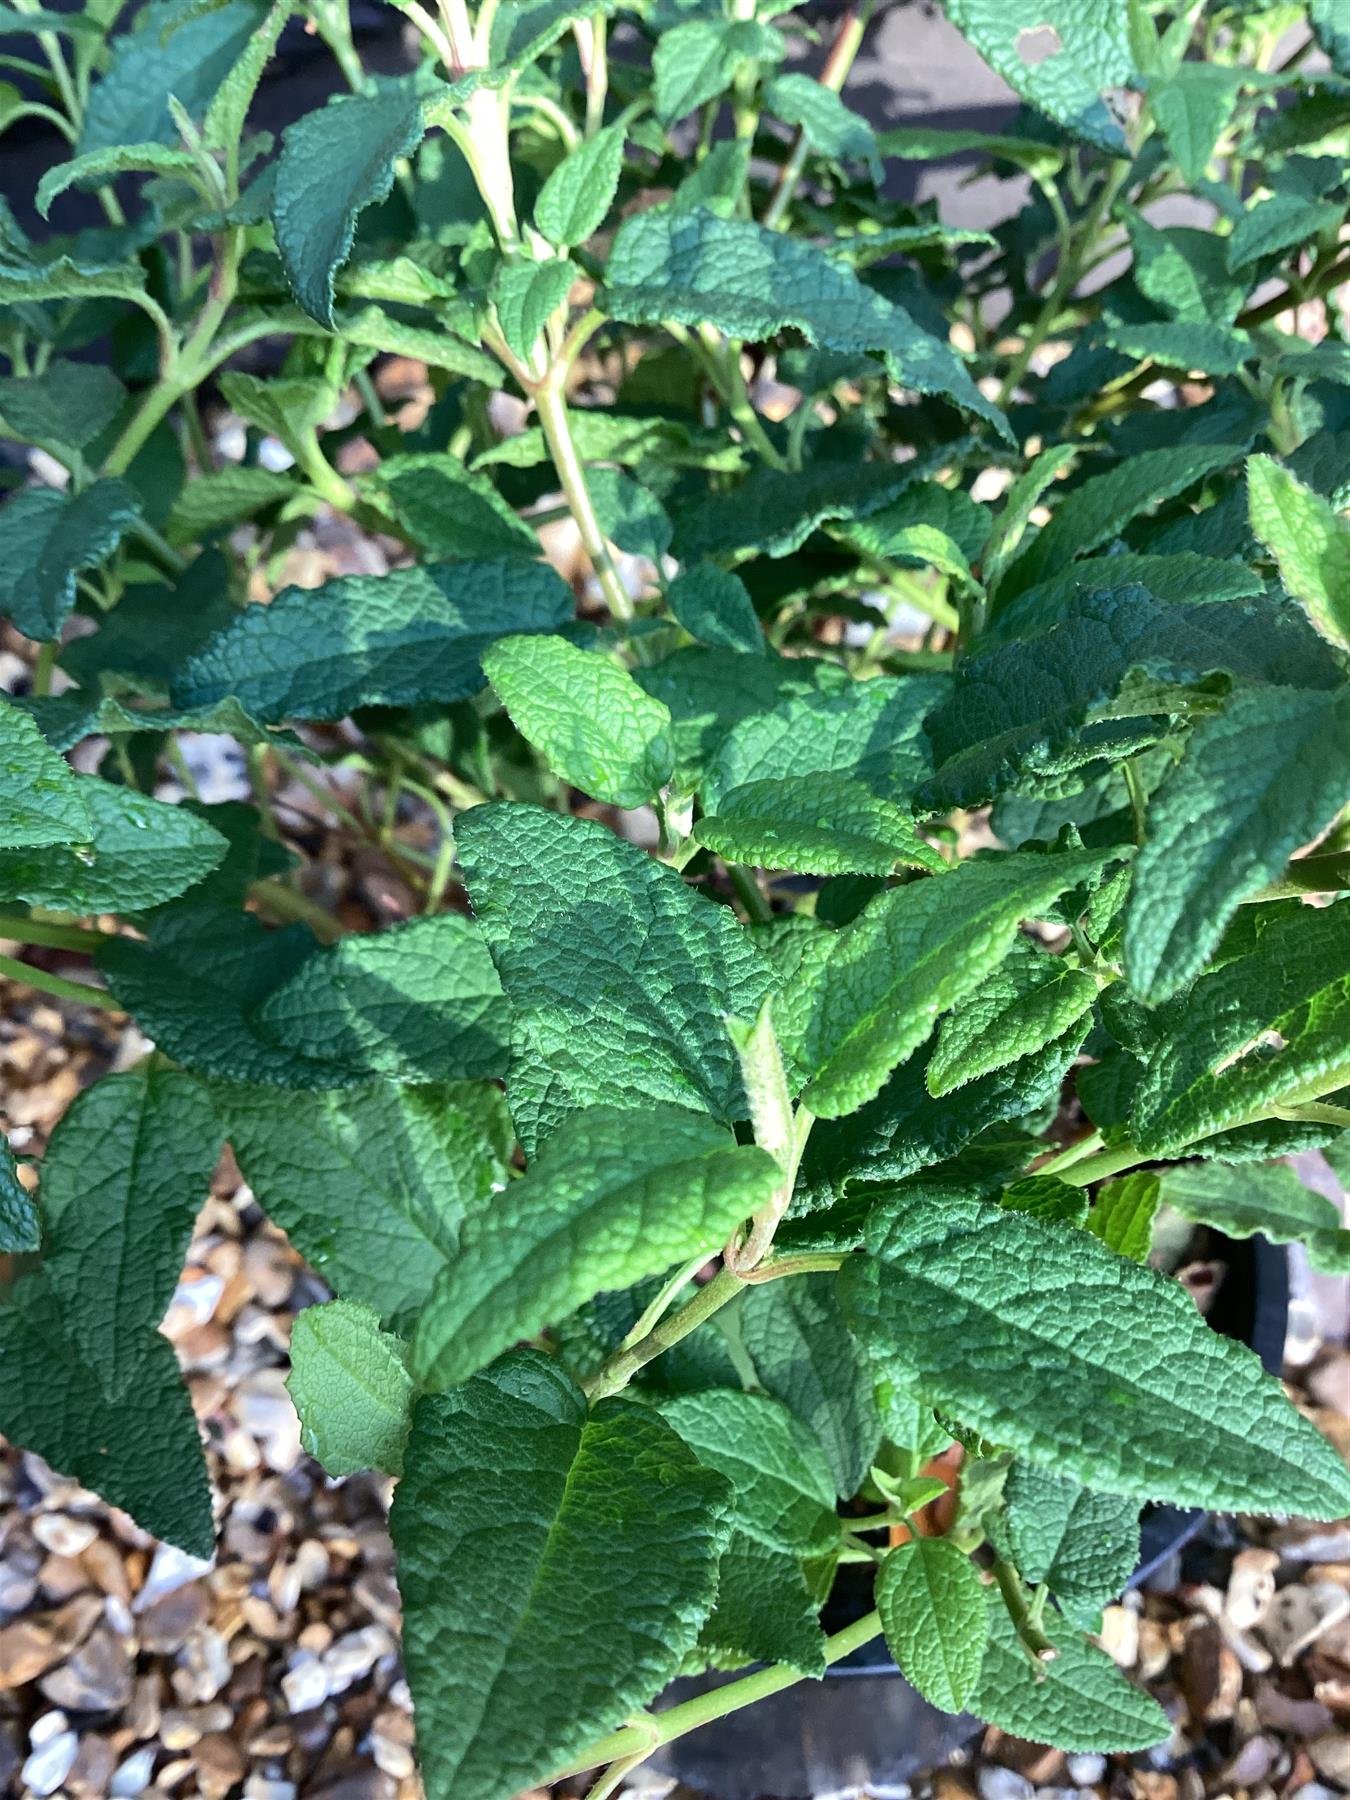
{"x": 1082, "y": 1544}
{"x": 47, "y": 538}
{"x": 713, "y": 606}
{"x": 1073, "y": 78}
{"x": 19, "y": 1228}
{"x": 41, "y": 798}
{"x": 1269, "y": 1199}
{"x": 129, "y": 103}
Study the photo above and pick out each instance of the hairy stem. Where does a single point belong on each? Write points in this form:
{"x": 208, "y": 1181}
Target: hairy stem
{"x": 553, "y": 422}
{"x": 620, "y": 1369}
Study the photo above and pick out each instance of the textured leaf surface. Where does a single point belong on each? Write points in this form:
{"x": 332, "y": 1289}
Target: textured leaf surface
{"x": 1192, "y": 105}
{"x": 822, "y": 824}
{"x": 526, "y": 294}
{"x": 19, "y": 1227}
{"x": 334, "y": 162}
{"x": 1255, "y": 782}
{"x": 1080, "y": 1701}
{"x": 46, "y": 538}
{"x": 1309, "y": 540}
{"x": 713, "y": 606}
{"x": 749, "y": 282}
{"x": 806, "y": 1357}
{"x": 935, "y": 1612}
{"x": 1133, "y": 1391}
{"x": 450, "y": 510}
{"x": 373, "y": 1187}
{"x": 696, "y": 61}
{"x": 373, "y": 640}
{"x": 831, "y": 128}
{"x": 775, "y": 511}
{"x": 65, "y": 407}
{"x": 1090, "y": 57}
{"x": 421, "y": 1002}
{"x": 589, "y": 720}
{"x": 619, "y": 976}
{"x": 612, "y": 1196}
{"x": 41, "y": 797}
{"x": 1027, "y": 1001}
{"x": 764, "y": 1611}
{"x": 574, "y": 200}
{"x": 1082, "y": 1544}
{"x": 351, "y": 1387}
{"x": 129, "y": 103}
{"x": 1122, "y": 1215}
{"x": 222, "y": 497}
{"x": 1266, "y": 1198}
{"x": 609, "y": 1534}
{"x": 854, "y": 1014}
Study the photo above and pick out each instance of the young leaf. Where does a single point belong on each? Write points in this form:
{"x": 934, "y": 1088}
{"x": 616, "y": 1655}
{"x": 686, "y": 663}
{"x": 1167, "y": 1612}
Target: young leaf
{"x": 212, "y": 502}
{"x": 696, "y": 61}
{"x": 334, "y": 163}
{"x": 630, "y": 515}
{"x": 374, "y": 1186}
{"x": 630, "y": 925}
{"x": 1082, "y": 1544}
{"x": 612, "y": 1196}
{"x": 126, "y": 1173}
{"x": 41, "y": 797}
{"x": 1079, "y": 1701}
{"x": 713, "y": 606}
{"x": 605, "y": 1534}
{"x": 822, "y": 824}
{"x": 351, "y": 1387}
{"x": 1089, "y": 59}
{"x": 860, "y": 1010}
{"x": 574, "y": 200}
{"x": 1308, "y": 539}
{"x": 590, "y": 721}
{"x": 830, "y": 127}
{"x": 1255, "y": 781}
{"x": 420, "y": 1002}
{"x": 1134, "y": 1392}
{"x": 805, "y": 1356}
{"x": 1266, "y": 1198}
{"x": 373, "y": 640}
{"x": 1122, "y": 1214}
{"x": 1028, "y": 1000}
{"x": 526, "y": 295}
{"x": 934, "y": 1610}
{"x": 19, "y": 1226}
{"x": 1193, "y": 104}
{"x": 47, "y": 538}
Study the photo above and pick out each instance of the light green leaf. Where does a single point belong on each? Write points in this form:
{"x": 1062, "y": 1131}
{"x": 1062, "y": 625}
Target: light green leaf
{"x": 351, "y": 1387}
{"x": 713, "y": 606}
{"x": 574, "y": 200}
{"x": 778, "y": 1472}
{"x": 859, "y": 1011}
{"x": 612, "y": 1196}
{"x": 47, "y": 538}
{"x": 42, "y": 800}
{"x": 555, "y": 1569}
{"x": 1183, "y": 344}
{"x": 1268, "y": 1198}
{"x": 822, "y": 824}
{"x": 1080, "y": 1701}
{"x": 19, "y": 1227}
{"x": 1333, "y": 33}
{"x": 334, "y": 163}
{"x": 95, "y": 168}
{"x": 166, "y": 56}
{"x": 1122, "y": 1214}
{"x": 64, "y": 408}
{"x": 65, "y": 278}
{"x": 764, "y": 1611}
{"x": 1082, "y": 1544}
{"x": 420, "y": 1002}
{"x": 806, "y": 1357}
{"x": 1309, "y": 540}
{"x": 934, "y": 1610}
{"x": 1193, "y": 104}
{"x": 373, "y": 640}
{"x": 693, "y": 267}
{"x": 1255, "y": 781}
{"x": 373, "y": 1186}
{"x": 682, "y": 963}
{"x": 126, "y": 1173}
{"x": 228, "y": 111}
{"x": 696, "y": 61}
{"x": 1134, "y": 1392}
{"x": 830, "y": 127}
{"x": 1028, "y": 1000}
{"x": 590, "y": 721}
{"x": 1024, "y": 496}
{"x": 285, "y": 406}
{"x": 451, "y": 511}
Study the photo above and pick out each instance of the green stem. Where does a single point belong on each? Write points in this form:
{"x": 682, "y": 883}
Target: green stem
{"x": 620, "y": 1369}
{"x": 1138, "y": 800}
{"x": 1098, "y": 1167}
{"x": 847, "y": 42}
{"x": 17, "y": 929}
{"x": 750, "y": 894}
{"x": 1037, "y": 1644}
{"x": 1071, "y": 1154}
{"x": 289, "y": 906}
{"x": 57, "y": 985}
{"x": 597, "y": 75}
{"x": 810, "y": 1262}
{"x": 553, "y": 422}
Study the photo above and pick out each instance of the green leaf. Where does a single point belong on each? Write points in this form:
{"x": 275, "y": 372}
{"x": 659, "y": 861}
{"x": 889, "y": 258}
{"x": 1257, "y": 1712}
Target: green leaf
{"x": 451, "y": 511}
{"x": 1267, "y": 1198}
{"x": 137, "y": 853}
{"x": 373, "y": 640}
{"x": 1309, "y": 540}
{"x": 695, "y": 268}
{"x": 374, "y": 1186}
{"x": 47, "y": 538}
{"x": 1182, "y": 576}
{"x": 612, "y": 1196}
{"x": 696, "y": 61}
{"x": 869, "y": 730}
{"x": 1266, "y": 1029}
{"x": 1333, "y": 34}
{"x": 830, "y": 128}
{"x": 806, "y": 1358}
{"x": 420, "y": 1002}
{"x": 1122, "y": 1214}
{"x": 859, "y": 1011}
{"x": 1255, "y": 781}
{"x": 163, "y": 57}
{"x": 96, "y": 168}
{"x": 1278, "y": 224}
{"x": 285, "y": 406}
{"x": 227, "y": 114}
{"x": 139, "y": 1450}
{"x": 19, "y": 1227}
{"x": 526, "y": 295}
{"x": 574, "y": 200}
{"x": 555, "y": 1569}
{"x": 1027, "y": 1001}
{"x": 220, "y": 498}
{"x": 586, "y": 716}
{"x": 823, "y": 824}
{"x": 783, "y": 1486}
{"x": 126, "y": 1173}
{"x": 1193, "y": 105}
{"x": 934, "y": 1610}
{"x": 764, "y": 1612}
{"x": 713, "y": 606}
{"x": 1185, "y": 271}
{"x": 351, "y": 1387}
{"x": 64, "y": 408}
{"x": 682, "y": 964}
{"x": 334, "y": 163}
{"x": 42, "y": 800}
{"x": 1082, "y": 1544}
{"x": 24, "y": 279}
{"x": 1072, "y": 80}
{"x": 1183, "y": 344}
{"x": 1080, "y": 1701}
{"x": 1133, "y": 1392}
{"x": 630, "y": 515}
{"x": 775, "y": 511}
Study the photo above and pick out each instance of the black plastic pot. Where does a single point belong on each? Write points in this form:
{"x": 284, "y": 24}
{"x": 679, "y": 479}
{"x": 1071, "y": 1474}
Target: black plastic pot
{"x": 863, "y": 1725}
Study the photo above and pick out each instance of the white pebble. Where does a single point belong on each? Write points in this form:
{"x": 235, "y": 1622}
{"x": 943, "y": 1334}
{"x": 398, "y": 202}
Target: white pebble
{"x": 49, "y": 1765}
{"x": 171, "y": 1569}
{"x": 132, "y": 1777}
{"x": 305, "y": 1684}
{"x": 1087, "y": 1769}
{"x": 998, "y": 1783}
{"x": 64, "y": 1536}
